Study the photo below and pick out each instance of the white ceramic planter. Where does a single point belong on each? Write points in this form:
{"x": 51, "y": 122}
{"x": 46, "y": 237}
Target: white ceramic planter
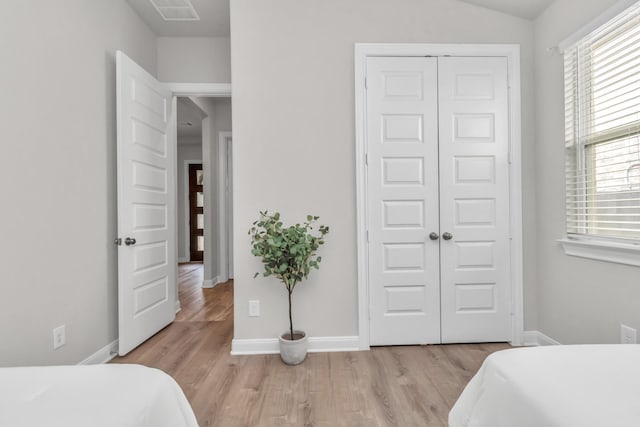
{"x": 293, "y": 352}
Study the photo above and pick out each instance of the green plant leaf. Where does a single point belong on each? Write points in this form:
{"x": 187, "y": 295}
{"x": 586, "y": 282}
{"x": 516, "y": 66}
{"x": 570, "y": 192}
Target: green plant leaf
{"x": 287, "y": 253}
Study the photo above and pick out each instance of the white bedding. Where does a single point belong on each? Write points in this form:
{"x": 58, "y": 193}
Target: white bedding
{"x": 576, "y": 386}
{"x": 87, "y": 396}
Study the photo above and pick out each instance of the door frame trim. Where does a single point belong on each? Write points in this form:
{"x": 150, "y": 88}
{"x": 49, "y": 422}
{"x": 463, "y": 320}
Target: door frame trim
{"x": 203, "y": 90}
{"x": 512, "y": 53}
{"x": 223, "y": 208}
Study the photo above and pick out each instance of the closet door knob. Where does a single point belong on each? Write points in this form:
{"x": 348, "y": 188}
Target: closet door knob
{"x": 129, "y": 241}
{"x": 447, "y": 236}
{"x": 434, "y": 236}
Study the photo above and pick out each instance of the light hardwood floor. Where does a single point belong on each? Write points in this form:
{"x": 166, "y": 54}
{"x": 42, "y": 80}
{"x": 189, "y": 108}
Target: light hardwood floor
{"x": 387, "y": 386}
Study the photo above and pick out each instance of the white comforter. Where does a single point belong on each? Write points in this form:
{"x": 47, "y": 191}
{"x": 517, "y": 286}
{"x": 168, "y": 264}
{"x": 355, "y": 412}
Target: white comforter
{"x": 88, "y": 396}
{"x": 573, "y": 386}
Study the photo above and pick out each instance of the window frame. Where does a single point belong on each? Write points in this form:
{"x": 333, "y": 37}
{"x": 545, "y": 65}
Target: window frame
{"x": 582, "y": 244}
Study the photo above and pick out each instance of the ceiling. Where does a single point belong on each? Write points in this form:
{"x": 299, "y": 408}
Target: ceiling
{"x": 214, "y": 19}
{"x": 214, "y": 15}
{"x": 188, "y": 113}
{"x": 528, "y": 9}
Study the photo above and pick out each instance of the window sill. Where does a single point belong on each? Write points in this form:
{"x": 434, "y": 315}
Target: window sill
{"x": 620, "y": 253}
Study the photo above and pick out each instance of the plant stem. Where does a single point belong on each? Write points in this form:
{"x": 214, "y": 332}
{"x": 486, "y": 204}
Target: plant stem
{"x": 290, "y": 318}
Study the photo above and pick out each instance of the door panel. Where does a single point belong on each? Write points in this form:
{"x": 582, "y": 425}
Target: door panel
{"x": 474, "y": 204}
{"x": 403, "y": 200}
{"x": 146, "y": 205}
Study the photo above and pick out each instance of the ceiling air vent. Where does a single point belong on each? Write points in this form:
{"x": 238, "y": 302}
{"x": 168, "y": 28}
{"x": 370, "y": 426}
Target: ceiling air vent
{"x": 175, "y": 10}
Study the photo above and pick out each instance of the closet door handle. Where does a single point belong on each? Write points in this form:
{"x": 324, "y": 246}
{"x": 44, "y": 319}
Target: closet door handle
{"x": 434, "y": 236}
{"x": 129, "y": 241}
{"x": 447, "y": 236}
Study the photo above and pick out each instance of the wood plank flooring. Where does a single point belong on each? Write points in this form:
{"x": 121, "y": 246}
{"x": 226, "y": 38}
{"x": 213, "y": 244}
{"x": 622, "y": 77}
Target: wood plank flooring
{"x": 387, "y": 386}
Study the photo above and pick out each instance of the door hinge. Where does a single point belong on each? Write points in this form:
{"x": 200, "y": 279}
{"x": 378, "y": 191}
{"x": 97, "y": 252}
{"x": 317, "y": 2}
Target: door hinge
{"x": 367, "y": 235}
{"x": 365, "y": 83}
{"x": 366, "y": 159}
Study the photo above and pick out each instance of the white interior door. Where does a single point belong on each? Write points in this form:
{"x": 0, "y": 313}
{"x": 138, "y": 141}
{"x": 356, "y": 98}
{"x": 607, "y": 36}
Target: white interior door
{"x": 437, "y": 148}
{"x": 474, "y": 202}
{"x": 402, "y": 127}
{"x": 146, "y": 204}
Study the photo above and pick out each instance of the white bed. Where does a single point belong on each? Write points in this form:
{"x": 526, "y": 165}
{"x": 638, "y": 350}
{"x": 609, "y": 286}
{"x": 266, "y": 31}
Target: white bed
{"x": 99, "y": 395}
{"x": 583, "y": 385}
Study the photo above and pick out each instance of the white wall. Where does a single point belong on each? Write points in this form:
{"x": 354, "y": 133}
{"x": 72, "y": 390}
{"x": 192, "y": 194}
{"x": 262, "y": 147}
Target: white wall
{"x": 293, "y": 124}
{"x": 222, "y": 115}
{"x": 194, "y": 59}
{"x": 579, "y": 300}
{"x": 188, "y": 149}
{"x": 58, "y": 174}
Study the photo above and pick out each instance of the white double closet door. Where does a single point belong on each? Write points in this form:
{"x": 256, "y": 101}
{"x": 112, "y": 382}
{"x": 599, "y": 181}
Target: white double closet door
{"x": 438, "y": 200}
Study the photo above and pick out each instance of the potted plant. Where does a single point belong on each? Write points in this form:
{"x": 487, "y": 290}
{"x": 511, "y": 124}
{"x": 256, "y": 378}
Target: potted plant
{"x": 289, "y": 254}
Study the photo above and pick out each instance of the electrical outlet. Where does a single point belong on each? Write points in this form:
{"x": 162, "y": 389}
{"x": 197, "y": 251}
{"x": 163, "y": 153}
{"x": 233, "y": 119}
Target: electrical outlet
{"x": 628, "y": 335}
{"x": 59, "y": 337}
{"x": 254, "y": 308}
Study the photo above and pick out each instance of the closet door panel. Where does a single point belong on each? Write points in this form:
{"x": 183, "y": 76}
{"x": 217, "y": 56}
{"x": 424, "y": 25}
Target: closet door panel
{"x": 474, "y": 199}
{"x": 402, "y": 143}
{"x": 437, "y": 151}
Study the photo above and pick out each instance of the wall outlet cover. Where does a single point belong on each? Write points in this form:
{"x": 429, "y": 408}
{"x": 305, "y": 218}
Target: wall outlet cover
{"x": 628, "y": 335}
{"x": 59, "y": 337}
{"x": 254, "y": 308}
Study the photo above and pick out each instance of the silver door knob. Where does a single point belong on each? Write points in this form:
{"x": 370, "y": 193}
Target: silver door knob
{"x": 434, "y": 236}
{"x": 445, "y": 236}
{"x": 129, "y": 241}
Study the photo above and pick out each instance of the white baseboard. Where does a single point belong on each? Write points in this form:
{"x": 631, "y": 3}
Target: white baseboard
{"x": 537, "y": 338}
{"x": 316, "y": 345}
{"x": 254, "y": 346}
{"x": 211, "y": 283}
{"x": 331, "y": 344}
{"x": 103, "y": 355}
{"x": 178, "y": 308}
{"x": 184, "y": 259}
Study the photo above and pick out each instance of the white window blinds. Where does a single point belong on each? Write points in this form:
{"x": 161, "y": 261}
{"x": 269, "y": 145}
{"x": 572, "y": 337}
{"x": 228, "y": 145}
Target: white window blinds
{"x": 602, "y": 130}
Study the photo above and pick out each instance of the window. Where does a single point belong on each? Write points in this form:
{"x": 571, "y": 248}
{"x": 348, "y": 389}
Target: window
{"x": 602, "y": 132}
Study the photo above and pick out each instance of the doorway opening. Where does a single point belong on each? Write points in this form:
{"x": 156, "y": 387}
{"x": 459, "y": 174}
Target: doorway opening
{"x": 205, "y": 274}
{"x": 206, "y": 224}
{"x": 205, "y": 270}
